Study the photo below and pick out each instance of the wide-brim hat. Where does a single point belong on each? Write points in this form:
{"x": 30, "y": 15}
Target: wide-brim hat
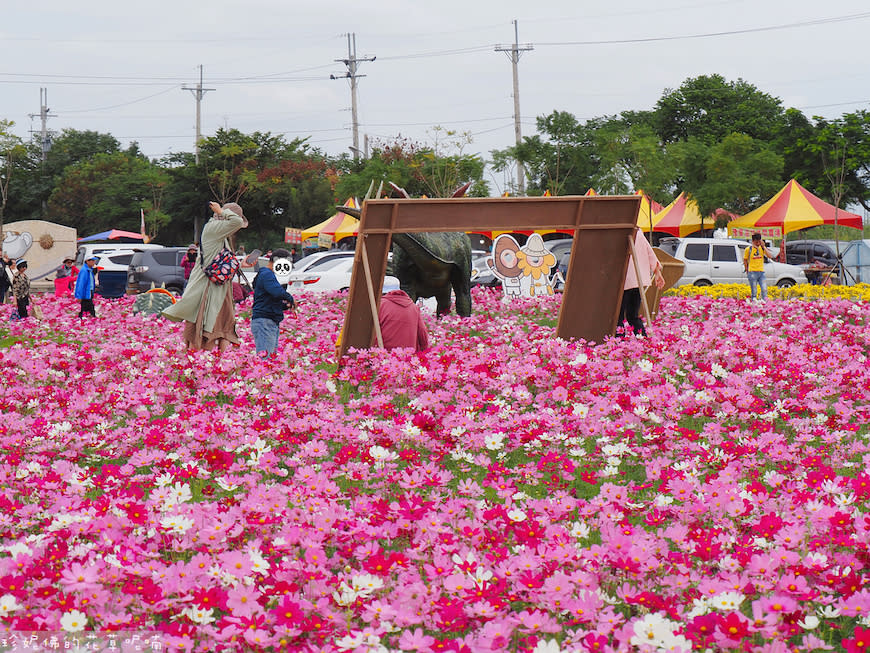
{"x": 235, "y": 208}
{"x": 535, "y": 246}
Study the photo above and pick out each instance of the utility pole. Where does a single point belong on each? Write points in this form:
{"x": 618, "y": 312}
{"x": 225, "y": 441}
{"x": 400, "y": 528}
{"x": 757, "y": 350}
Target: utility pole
{"x": 45, "y": 139}
{"x": 351, "y": 62}
{"x": 198, "y": 91}
{"x": 514, "y": 53}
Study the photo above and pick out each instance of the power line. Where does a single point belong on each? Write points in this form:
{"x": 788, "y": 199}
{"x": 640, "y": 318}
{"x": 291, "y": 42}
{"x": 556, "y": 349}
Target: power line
{"x": 123, "y": 104}
{"x": 749, "y": 30}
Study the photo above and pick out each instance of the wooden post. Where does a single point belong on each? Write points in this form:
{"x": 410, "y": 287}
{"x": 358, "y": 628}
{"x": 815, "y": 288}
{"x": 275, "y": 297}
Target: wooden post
{"x": 376, "y": 323}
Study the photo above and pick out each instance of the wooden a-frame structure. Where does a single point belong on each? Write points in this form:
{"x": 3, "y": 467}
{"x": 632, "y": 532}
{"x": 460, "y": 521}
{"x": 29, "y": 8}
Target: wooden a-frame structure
{"x": 603, "y": 227}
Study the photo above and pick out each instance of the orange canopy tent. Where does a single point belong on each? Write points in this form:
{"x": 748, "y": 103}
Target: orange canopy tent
{"x": 791, "y": 209}
{"x": 681, "y": 218}
{"x": 326, "y": 231}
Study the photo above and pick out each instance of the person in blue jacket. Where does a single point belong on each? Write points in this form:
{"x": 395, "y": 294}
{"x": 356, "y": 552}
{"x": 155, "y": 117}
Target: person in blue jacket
{"x": 270, "y": 302}
{"x": 85, "y": 285}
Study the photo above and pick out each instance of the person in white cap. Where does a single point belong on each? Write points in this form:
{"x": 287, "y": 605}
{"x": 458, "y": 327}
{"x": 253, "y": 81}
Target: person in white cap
{"x": 86, "y": 283}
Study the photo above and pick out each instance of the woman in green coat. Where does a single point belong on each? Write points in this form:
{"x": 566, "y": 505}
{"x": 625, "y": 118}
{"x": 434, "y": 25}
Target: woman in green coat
{"x": 207, "y": 307}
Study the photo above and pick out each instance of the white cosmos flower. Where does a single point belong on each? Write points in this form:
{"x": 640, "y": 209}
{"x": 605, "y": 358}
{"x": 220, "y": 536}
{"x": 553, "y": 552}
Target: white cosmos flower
{"x": 177, "y": 524}
{"x": 494, "y": 441}
{"x": 580, "y": 410}
{"x": 365, "y": 584}
{"x": 73, "y": 621}
{"x": 843, "y": 500}
{"x": 809, "y": 622}
{"x": 199, "y": 615}
{"x": 828, "y": 612}
{"x": 729, "y": 601}
{"x": 644, "y": 365}
{"x": 380, "y": 454}
{"x": 227, "y": 486}
{"x": 516, "y": 515}
{"x": 8, "y": 604}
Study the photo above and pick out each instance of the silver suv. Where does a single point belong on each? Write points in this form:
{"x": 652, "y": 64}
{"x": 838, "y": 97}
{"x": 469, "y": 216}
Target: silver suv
{"x": 720, "y": 260}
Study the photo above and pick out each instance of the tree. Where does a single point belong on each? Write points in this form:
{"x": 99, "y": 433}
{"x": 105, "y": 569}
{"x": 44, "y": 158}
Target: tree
{"x": 35, "y": 179}
{"x": 709, "y": 108}
{"x": 431, "y": 170}
{"x": 108, "y": 191}
{"x": 11, "y": 149}
{"x": 562, "y": 159}
{"x": 737, "y": 174}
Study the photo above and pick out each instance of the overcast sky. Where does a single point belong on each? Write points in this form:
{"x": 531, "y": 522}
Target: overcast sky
{"x": 119, "y": 67}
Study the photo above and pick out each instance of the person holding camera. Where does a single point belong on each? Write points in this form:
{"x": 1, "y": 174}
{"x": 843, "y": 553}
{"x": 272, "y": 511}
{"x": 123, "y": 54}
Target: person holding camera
{"x": 207, "y": 306}
{"x": 753, "y": 264}
{"x": 270, "y": 302}
{"x": 189, "y": 261}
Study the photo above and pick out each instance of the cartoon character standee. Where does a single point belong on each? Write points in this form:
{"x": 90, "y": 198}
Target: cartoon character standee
{"x": 535, "y": 261}
{"x": 505, "y": 265}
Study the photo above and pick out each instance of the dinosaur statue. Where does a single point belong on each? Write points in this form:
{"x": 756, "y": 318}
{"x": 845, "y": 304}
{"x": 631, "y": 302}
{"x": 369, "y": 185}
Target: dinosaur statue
{"x": 433, "y": 264}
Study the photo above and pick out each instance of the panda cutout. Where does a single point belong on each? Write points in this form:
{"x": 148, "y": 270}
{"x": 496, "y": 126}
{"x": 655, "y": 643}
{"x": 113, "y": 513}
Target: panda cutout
{"x": 282, "y": 267}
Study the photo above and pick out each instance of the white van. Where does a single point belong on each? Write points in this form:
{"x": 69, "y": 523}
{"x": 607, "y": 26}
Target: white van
{"x": 112, "y": 264}
{"x": 720, "y": 260}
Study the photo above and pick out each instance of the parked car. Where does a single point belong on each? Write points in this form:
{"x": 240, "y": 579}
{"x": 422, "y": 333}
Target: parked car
{"x": 114, "y": 259}
{"x": 160, "y": 267}
{"x": 306, "y": 262}
{"x": 720, "y": 260}
{"x": 806, "y": 252}
{"x": 331, "y": 273}
{"x": 482, "y": 274}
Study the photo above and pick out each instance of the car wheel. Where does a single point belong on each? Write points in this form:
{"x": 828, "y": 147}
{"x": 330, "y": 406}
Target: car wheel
{"x": 785, "y": 283}
{"x": 175, "y": 290}
{"x": 703, "y": 282}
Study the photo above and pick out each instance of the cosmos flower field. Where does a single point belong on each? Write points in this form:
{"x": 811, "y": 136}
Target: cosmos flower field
{"x": 704, "y": 489}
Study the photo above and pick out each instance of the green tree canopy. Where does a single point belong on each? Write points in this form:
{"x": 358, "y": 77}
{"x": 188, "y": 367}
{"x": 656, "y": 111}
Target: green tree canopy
{"x": 709, "y": 108}
{"x": 107, "y": 191}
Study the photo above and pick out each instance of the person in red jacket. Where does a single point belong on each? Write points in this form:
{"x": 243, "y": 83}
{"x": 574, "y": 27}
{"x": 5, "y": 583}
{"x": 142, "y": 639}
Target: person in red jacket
{"x": 401, "y": 322}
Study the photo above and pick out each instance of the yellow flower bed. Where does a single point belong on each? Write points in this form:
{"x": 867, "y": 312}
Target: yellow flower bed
{"x": 857, "y": 293}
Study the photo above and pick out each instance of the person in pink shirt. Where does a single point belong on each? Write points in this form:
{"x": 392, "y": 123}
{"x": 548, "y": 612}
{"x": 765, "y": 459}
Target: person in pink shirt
{"x": 650, "y": 270}
{"x": 401, "y": 322}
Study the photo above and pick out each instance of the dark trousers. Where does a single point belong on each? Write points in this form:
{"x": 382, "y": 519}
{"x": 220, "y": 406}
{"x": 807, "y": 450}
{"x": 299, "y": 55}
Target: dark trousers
{"x": 88, "y": 307}
{"x": 629, "y": 311}
{"x": 22, "y": 306}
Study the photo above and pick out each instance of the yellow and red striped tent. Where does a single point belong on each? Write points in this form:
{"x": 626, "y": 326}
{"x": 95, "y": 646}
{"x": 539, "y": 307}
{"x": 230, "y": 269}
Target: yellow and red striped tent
{"x": 681, "y": 218}
{"x": 791, "y": 209}
{"x": 648, "y": 209}
{"x": 326, "y": 231}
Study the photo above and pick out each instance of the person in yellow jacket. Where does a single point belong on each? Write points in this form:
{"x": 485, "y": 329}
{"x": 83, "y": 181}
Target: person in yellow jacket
{"x": 753, "y": 264}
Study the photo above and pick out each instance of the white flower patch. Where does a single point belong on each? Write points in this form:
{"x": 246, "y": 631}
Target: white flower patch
{"x": 494, "y": 441}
